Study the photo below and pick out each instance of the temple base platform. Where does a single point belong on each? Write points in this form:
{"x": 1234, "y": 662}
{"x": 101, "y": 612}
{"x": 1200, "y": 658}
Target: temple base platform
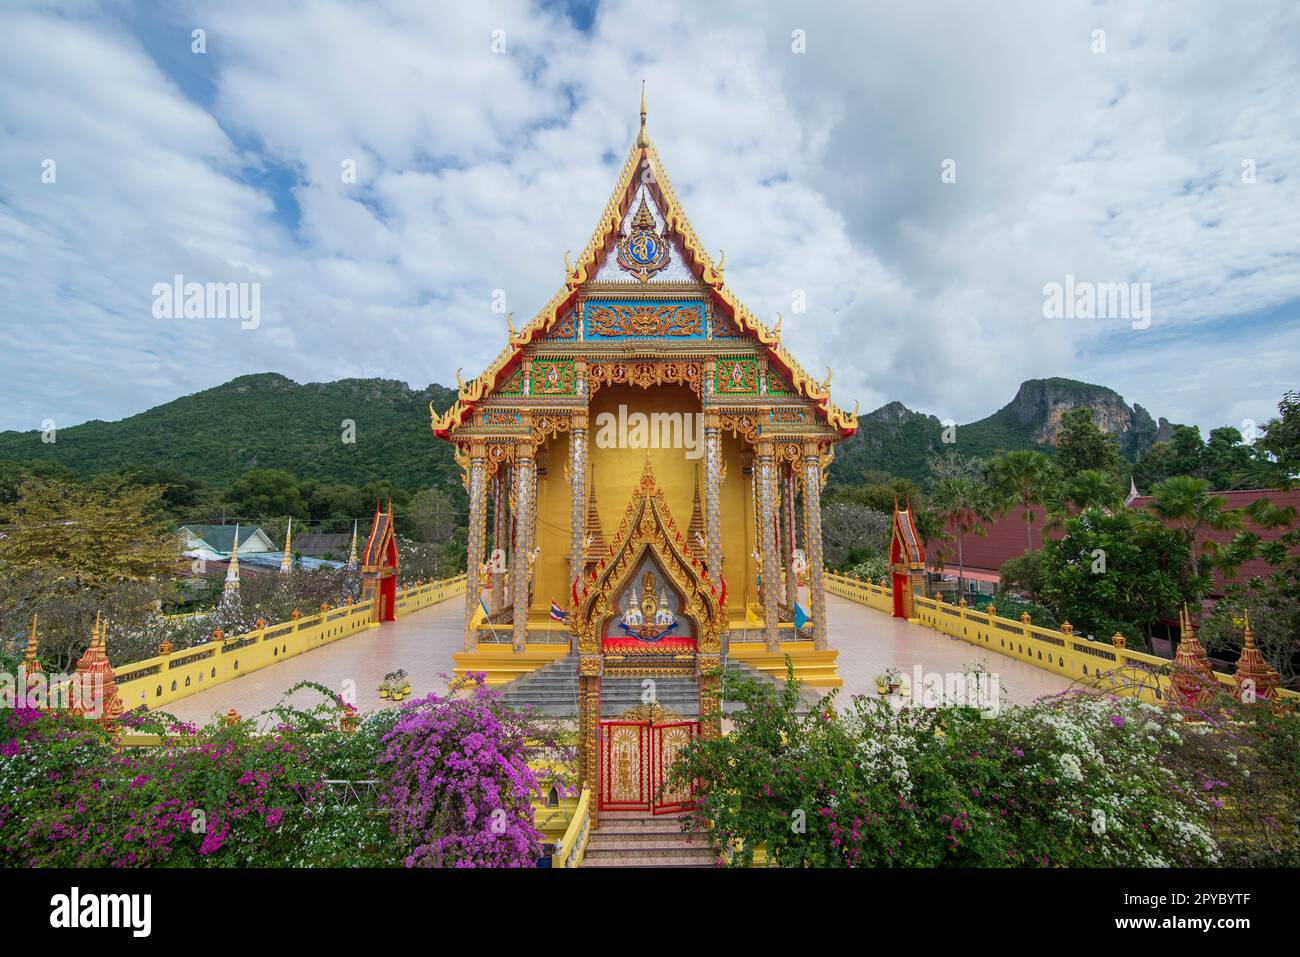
{"x": 813, "y": 667}
{"x": 501, "y": 664}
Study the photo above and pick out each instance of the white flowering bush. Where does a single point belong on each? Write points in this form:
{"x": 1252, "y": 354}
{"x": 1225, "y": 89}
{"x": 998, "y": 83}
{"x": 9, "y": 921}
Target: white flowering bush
{"x": 1076, "y": 780}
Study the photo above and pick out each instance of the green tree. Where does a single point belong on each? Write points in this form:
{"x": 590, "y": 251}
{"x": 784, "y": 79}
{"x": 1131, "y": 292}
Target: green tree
{"x": 1186, "y": 452}
{"x": 89, "y": 536}
{"x": 432, "y": 514}
{"x": 1188, "y": 505}
{"x": 71, "y": 552}
{"x": 1093, "y": 488}
{"x": 1081, "y": 444}
{"x": 964, "y": 505}
{"x": 879, "y": 494}
{"x": 1113, "y": 572}
{"x": 13, "y": 474}
{"x": 1023, "y": 478}
{"x": 263, "y": 493}
{"x": 1227, "y": 460}
{"x": 1280, "y": 441}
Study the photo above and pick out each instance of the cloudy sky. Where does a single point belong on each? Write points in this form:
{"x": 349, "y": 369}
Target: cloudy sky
{"x": 809, "y": 141}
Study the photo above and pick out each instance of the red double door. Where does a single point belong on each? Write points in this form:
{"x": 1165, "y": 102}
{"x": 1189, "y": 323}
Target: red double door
{"x": 634, "y": 760}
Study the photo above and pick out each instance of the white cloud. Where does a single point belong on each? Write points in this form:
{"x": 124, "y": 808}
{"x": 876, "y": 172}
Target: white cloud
{"x": 816, "y": 172}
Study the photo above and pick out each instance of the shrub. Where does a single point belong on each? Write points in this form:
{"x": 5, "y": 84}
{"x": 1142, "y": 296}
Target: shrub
{"x": 1076, "y": 780}
{"x": 458, "y": 781}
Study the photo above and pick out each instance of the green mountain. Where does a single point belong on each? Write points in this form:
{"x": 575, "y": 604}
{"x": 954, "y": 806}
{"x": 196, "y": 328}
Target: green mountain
{"x": 266, "y": 421}
{"x": 269, "y": 421}
{"x": 899, "y": 441}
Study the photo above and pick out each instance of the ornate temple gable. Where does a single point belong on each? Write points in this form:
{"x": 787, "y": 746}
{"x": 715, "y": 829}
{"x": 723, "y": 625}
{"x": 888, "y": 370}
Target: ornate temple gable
{"x": 647, "y": 528}
{"x": 644, "y": 250}
{"x": 905, "y": 544}
{"x": 668, "y": 262}
{"x": 381, "y": 547}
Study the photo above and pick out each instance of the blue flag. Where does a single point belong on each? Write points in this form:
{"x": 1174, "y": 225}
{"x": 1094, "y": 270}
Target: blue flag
{"x": 800, "y": 617}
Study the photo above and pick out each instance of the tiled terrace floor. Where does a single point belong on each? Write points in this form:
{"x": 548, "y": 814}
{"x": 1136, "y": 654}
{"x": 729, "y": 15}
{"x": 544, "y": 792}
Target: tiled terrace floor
{"x": 869, "y": 642}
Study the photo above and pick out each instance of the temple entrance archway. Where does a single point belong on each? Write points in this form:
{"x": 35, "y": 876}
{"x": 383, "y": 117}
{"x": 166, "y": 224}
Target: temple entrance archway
{"x": 637, "y": 752}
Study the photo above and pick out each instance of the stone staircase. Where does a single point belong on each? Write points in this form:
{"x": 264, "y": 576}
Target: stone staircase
{"x": 553, "y": 690}
{"x": 641, "y": 839}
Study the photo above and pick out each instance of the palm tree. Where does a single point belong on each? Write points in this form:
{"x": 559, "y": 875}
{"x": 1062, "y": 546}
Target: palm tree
{"x": 1188, "y": 505}
{"x": 1023, "y": 478}
{"x": 963, "y": 503}
{"x": 1093, "y": 488}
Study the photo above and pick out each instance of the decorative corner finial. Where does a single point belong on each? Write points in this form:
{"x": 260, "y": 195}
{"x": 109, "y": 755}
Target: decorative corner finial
{"x": 568, "y": 266}
{"x": 642, "y": 140}
{"x": 826, "y": 386}
{"x": 510, "y": 326}
{"x": 776, "y": 330}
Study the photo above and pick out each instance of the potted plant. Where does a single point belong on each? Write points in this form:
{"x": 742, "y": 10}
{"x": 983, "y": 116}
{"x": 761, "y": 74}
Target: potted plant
{"x": 386, "y": 686}
{"x": 894, "y": 680}
{"x": 401, "y": 682}
{"x": 882, "y": 684}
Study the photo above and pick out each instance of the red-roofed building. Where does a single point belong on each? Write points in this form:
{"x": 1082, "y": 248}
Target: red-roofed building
{"x": 1005, "y": 538}
{"x": 1239, "y": 500}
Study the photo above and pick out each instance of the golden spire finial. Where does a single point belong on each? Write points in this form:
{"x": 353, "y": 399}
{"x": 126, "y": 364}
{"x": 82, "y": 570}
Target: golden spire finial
{"x": 30, "y": 660}
{"x": 286, "y": 560}
{"x": 1254, "y": 674}
{"x": 642, "y": 140}
{"x": 97, "y": 633}
{"x": 352, "y": 555}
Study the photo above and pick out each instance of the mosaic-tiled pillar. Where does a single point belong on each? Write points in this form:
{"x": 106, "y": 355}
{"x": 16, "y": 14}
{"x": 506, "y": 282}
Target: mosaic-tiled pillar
{"x": 589, "y": 668}
{"x": 712, "y": 496}
{"x": 525, "y": 490}
{"x": 578, "y": 502}
{"x": 812, "y": 516}
{"x": 477, "y": 489}
{"x": 500, "y": 538}
{"x": 710, "y": 684}
{"x": 787, "y": 534}
{"x": 765, "y": 474}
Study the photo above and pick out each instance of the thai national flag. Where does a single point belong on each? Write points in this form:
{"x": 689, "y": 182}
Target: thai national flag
{"x": 558, "y": 613}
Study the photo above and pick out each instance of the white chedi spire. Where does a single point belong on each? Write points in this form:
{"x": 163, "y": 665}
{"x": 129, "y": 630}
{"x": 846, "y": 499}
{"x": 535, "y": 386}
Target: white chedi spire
{"x": 232, "y": 569}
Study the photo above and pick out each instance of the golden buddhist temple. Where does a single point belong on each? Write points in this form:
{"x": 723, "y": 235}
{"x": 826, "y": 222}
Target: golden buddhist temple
{"x": 644, "y": 462}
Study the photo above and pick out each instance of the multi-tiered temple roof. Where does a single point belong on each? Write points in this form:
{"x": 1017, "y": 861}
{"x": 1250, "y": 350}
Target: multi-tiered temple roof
{"x": 644, "y": 207}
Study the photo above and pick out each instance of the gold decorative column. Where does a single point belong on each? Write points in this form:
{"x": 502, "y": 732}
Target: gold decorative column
{"x": 712, "y": 481}
{"x": 812, "y": 518}
{"x": 525, "y": 490}
{"x": 787, "y": 532}
{"x": 500, "y": 536}
{"x": 765, "y": 476}
{"x": 710, "y": 683}
{"x": 476, "y": 486}
{"x": 578, "y": 504}
{"x": 589, "y": 668}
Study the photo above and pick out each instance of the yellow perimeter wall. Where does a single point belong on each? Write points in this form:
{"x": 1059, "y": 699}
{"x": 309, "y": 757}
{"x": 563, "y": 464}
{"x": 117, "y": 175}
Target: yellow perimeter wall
{"x": 158, "y": 681}
{"x": 1088, "y": 662}
{"x": 615, "y": 473}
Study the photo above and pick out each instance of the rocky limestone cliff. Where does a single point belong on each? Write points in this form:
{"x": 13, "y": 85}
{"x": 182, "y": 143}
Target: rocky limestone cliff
{"x": 1040, "y": 404}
